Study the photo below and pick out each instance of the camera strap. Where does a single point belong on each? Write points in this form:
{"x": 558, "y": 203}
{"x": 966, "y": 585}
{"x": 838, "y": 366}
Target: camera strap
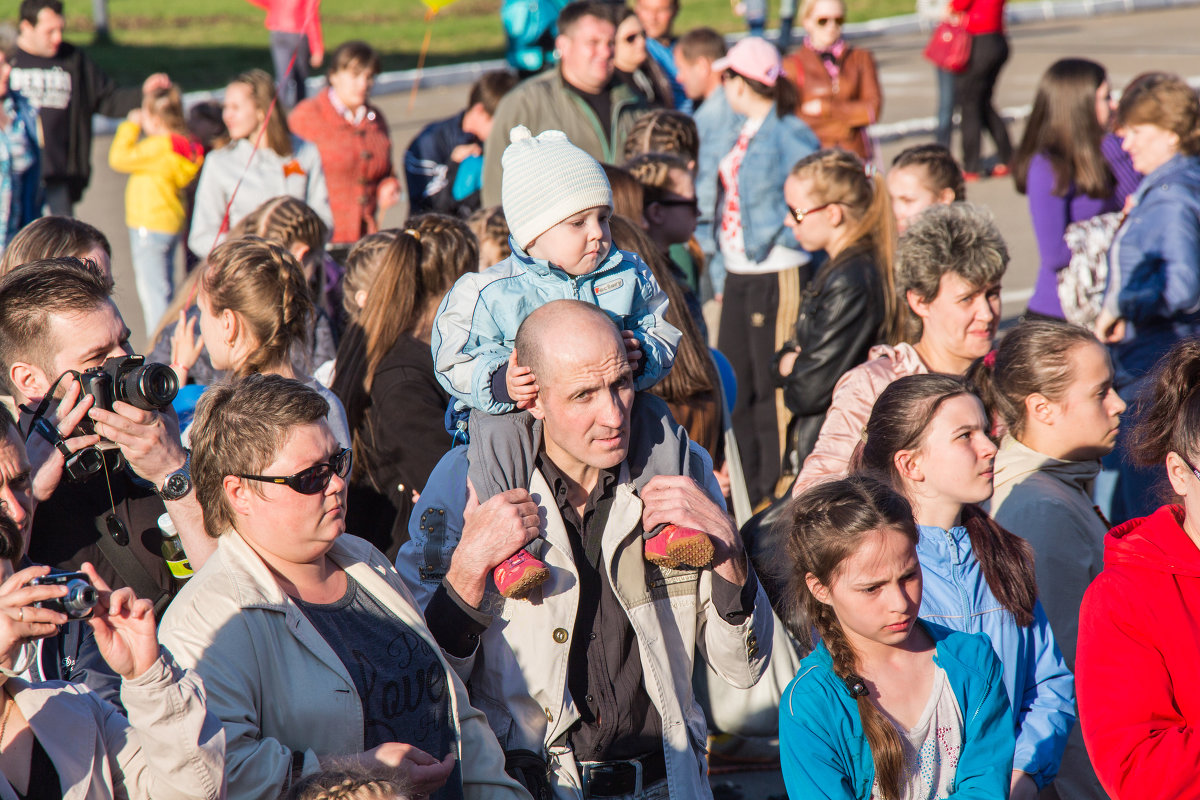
{"x": 129, "y": 569}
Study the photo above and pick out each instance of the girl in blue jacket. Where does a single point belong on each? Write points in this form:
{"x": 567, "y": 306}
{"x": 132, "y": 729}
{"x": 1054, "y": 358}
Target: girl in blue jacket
{"x": 929, "y": 435}
{"x": 886, "y": 706}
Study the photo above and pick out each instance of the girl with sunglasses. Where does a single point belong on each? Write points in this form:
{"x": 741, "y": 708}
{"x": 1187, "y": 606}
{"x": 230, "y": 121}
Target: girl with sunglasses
{"x": 256, "y": 316}
{"x": 929, "y": 436}
{"x": 307, "y": 640}
{"x": 839, "y": 85}
{"x": 849, "y": 305}
{"x": 1138, "y": 617}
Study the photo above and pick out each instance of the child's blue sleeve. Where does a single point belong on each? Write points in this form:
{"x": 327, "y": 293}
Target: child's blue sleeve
{"x": 810, "y": 759}
{"x": 985, "y": 764}
{"x": 647, "y": 319}
{"x": 468, "y": 178}
{"x": 468, "y": 345}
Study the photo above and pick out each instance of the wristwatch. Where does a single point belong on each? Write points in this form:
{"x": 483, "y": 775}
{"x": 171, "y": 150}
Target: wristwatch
{"x": 179, "y": 482}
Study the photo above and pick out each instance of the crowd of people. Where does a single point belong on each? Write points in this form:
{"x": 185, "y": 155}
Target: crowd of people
{"x": 448, "y": 510}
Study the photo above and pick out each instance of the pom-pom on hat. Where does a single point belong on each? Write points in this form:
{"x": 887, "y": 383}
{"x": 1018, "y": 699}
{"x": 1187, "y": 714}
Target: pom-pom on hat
{"x": 754, "y": 58}
{"x": 546, "y": 179}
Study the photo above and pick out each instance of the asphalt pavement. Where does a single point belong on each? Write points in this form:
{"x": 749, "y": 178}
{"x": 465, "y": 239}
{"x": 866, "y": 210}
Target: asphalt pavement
{"x": 1127, "y": 44}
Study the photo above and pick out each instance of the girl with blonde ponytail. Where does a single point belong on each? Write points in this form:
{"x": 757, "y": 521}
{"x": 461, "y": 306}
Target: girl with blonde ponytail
{"x": 256, "y": 312}
{"x": 886, "y": 706}
{"x": 838, "y": 205}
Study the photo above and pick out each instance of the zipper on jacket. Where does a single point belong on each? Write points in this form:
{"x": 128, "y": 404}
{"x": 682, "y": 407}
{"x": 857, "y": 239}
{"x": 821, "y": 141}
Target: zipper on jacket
{"x": 956, "y": 573}
{"x": 574, "y": 284}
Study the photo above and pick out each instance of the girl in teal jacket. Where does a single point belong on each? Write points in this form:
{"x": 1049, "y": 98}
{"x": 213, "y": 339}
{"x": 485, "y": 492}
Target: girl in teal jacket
{"x": 886, "y": 705}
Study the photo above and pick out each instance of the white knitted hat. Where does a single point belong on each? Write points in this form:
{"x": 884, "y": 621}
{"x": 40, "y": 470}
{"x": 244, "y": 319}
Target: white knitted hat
{"x": 546, "y": 179}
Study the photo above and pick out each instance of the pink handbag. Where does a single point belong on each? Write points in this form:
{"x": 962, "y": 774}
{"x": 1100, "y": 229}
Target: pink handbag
{"x": 949, "y": 47}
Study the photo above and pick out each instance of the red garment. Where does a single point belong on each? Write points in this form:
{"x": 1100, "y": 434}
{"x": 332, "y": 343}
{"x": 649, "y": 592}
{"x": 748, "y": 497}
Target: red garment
{"x": 356, "y": 159}
{"x": 296, "y": 16}
{"x": 981, "y": 16}
{"x": 1135, "y": 668}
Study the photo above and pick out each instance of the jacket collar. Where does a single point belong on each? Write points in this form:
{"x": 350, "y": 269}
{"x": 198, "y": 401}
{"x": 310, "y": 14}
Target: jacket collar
{"x": 1177, "y": 164}
{"x": 543, "y": 268}
{"x": 953, "y": 545}
{"x": 1015, "y": 461}
{"x": 253, "y": 582}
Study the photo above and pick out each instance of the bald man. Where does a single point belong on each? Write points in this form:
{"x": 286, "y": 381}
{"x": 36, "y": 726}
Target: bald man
{"x": 589, "y": 686}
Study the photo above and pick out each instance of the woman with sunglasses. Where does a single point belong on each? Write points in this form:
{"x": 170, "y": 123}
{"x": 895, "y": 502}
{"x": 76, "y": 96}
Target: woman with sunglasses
{"x": 309, "y": 644}
{"x": 849, "y": 305}
{"x": 1139, "y": 615}
{"x": 838, "y": 84}
{"x": 633, "y": 65}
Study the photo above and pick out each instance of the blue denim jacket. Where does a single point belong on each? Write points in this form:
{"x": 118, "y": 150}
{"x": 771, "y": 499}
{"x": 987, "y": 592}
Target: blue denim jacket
{"x": 20, "y": 197}
{"x": 1041, "y": 690}
{"x": 770, "y": 155}
{"x": 825, "y": 754}
{"x": 1154, "y": 263}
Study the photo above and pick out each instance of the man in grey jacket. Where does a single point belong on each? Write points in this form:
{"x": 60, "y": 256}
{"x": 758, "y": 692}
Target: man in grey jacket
{"x": 579, "y": 97}
{"x": 588, "y": 683}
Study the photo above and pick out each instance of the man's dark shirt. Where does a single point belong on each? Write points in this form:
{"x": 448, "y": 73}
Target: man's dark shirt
{"x": 601, "y": 105}
{"x": 618, "y": 720}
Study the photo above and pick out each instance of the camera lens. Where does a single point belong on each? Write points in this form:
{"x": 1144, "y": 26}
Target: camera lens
{"x": 151, "y": 386}
{"x": 80, "y": 599}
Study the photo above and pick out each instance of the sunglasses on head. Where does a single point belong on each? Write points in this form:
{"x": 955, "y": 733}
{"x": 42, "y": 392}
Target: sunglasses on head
{"x": 823, "y": 21}
{"x": 315, "y": 478}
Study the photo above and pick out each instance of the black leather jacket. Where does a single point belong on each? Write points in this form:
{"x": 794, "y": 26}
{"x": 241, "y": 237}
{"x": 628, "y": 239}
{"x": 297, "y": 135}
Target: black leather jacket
{"x": 841, "y": 316}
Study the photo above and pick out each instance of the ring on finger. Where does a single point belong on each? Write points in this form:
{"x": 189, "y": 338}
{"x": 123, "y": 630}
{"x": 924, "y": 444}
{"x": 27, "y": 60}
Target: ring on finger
{"x": 21, "y": 614}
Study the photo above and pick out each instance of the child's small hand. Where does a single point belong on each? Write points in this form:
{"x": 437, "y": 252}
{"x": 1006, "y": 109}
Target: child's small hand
{"x": 633, "y": 348}
{"x": 521, "y": 383}
{"x": 135, "y": 116}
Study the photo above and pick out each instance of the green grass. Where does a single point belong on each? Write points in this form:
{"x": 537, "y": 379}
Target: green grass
{"x": 203, "y": 43}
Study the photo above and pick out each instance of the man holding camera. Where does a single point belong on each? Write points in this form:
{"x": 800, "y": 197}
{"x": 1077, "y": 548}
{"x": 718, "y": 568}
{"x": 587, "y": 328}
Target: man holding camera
{"x": 100, "y": 494}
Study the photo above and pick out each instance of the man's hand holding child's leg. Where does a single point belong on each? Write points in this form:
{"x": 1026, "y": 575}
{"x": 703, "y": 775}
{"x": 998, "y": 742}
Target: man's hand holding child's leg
{"x": 521, "y": 383}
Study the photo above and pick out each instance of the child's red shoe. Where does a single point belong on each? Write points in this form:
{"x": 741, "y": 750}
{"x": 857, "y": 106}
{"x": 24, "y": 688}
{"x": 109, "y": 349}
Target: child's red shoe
{"x": 673, "y": 546}
{"x": 520, "y": 574}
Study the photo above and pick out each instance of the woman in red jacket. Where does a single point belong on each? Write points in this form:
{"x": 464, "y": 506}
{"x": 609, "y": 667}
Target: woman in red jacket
{"x": 984, "y": 20}
{"x": 1139, "y": 626}
{"x": 352, "y": 136}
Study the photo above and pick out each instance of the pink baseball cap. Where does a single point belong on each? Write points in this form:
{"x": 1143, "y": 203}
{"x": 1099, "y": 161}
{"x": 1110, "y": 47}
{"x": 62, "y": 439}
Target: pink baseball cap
{"x": 754, "y": 58}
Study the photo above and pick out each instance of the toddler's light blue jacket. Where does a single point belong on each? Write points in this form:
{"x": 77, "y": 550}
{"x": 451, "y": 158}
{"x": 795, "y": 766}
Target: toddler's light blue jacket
{"x": 476, "y": 324}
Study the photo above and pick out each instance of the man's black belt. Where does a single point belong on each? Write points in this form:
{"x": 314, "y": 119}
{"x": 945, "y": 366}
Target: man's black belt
{"x": 619, "y": 778}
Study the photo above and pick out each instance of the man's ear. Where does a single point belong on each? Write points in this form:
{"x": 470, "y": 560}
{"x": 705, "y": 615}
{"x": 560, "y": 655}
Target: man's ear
{"x": 28, "y": 380}
{"x": 818, "y": 589}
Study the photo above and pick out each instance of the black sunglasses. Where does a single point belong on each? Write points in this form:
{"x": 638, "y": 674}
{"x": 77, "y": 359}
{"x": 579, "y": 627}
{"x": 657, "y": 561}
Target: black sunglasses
{"x": 315, "y": 478}
{"x": 687, "y": 202}
{"x": 823, "y": 21}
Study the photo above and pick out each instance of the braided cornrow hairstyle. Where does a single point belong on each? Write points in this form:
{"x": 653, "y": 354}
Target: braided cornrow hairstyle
{"x": 350, "y": 781}
{"x": 289, "y": 221}
{"x": 663, "y": 131}
{"x": 654, "y": 172}
{"x": 264, "y": 284}
{"x": 829, "y": 523}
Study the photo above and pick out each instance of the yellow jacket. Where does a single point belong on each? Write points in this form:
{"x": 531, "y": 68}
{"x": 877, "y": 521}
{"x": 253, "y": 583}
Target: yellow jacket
{"x": 160, "y": 168}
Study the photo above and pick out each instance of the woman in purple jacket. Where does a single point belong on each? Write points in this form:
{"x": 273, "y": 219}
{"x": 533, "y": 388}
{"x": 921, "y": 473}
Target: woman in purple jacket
{"x": 1069, "y": 166}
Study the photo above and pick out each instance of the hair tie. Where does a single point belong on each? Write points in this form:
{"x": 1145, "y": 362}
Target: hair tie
{"x": 413, "y": 233}
{"x": 857, "y": 685}
{"x": 863, "y": 435}
{"x": 989, "y": 360}
{"x": 869, "y": 169}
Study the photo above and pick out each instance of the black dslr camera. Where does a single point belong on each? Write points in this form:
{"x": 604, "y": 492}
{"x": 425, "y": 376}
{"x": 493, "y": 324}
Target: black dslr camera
{"x": 149, "y": 386}
{"x": 77, "y": 603}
